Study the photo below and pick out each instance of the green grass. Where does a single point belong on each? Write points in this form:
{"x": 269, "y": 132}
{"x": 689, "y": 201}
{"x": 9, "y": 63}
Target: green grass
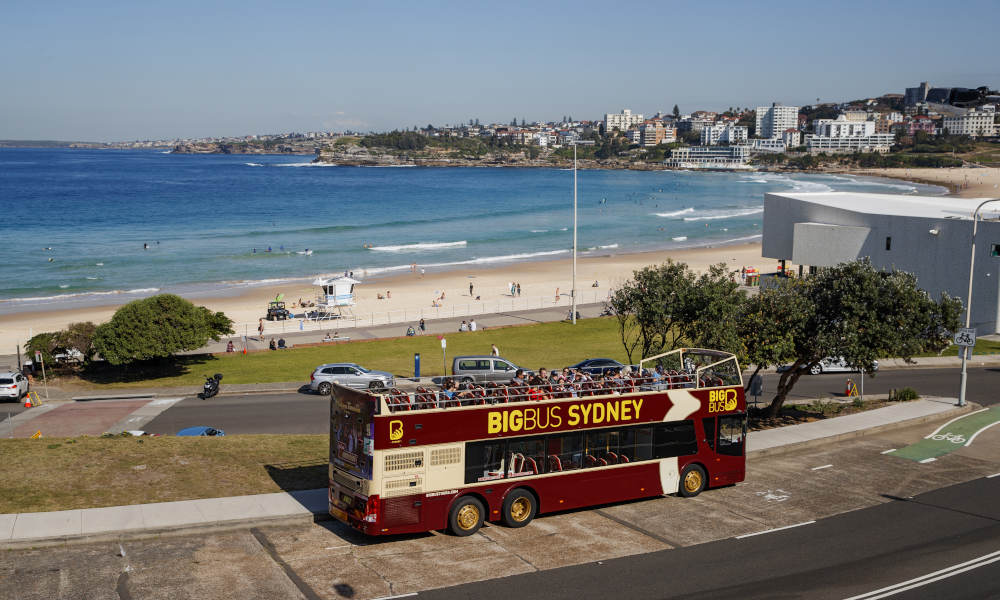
{"x": 67, "y": 473}
{"x": 541, "y": 345}
{"x": 982, "y": 347}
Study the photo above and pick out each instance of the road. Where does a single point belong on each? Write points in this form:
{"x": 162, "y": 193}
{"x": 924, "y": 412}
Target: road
{"x": 309, "y": 413}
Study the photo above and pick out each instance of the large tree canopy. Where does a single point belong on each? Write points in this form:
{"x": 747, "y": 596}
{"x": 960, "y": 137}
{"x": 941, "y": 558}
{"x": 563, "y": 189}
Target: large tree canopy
{"x": 158, "y": 327}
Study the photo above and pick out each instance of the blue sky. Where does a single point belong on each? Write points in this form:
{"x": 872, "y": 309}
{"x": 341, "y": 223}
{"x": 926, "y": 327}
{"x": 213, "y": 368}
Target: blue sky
{"x": 106, "y": 71}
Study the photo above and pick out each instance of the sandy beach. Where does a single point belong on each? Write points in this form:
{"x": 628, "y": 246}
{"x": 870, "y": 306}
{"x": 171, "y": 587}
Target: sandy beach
{"x": 966, "y": 182}
{"x": 410, "y": 294}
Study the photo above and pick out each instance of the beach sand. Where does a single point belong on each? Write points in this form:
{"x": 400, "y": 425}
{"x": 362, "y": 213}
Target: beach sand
{"x": 411, "y": 292}
{"x": 966, "y": 182}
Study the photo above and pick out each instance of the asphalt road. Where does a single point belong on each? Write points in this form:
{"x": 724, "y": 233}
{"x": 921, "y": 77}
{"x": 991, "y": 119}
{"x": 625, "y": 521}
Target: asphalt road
{"x": 309, "y": 413}
{"x": 846, "y": 556}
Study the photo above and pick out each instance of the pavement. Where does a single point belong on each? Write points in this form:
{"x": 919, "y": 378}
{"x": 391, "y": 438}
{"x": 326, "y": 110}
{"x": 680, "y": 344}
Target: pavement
{"x": 91, "y": 524}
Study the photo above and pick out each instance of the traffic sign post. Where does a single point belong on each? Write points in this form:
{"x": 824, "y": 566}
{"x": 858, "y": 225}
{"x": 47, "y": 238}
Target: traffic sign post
{"x": 965, "y": 338}
{"x": 444, "y": 355}
{"x": 45, "y": 380}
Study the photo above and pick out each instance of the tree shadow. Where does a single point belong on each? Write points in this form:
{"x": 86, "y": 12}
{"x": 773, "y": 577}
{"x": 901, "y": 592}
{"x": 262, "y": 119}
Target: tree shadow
{"x": 103, "y": 372}
{"x": 301, "y": 475}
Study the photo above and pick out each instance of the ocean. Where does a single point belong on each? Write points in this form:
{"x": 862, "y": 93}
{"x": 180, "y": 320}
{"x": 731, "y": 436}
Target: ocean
{"x": 83, "y": 227}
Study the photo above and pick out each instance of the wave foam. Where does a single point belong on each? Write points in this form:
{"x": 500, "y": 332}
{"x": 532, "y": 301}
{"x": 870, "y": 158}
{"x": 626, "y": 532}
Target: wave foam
{"x": 304, "y": 164}
{"x": 680, "y": 238}
{"x": 80, "y": 294}
{"x": 253, "y": 164}
{"x": 727, "y": 215}
{"x": 675, "y": 213}
{"x": 419, "y": 247}
{"x": 608, "y": 247}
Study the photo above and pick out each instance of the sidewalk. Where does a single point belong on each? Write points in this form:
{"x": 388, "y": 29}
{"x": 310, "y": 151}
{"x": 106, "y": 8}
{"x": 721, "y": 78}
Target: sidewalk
{"x": 92, "y": 524}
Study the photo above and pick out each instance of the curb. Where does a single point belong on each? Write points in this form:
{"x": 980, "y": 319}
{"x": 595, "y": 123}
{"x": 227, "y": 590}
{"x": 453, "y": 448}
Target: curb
{"x": 958, "y": 410}
{"x": 113, "y": 397}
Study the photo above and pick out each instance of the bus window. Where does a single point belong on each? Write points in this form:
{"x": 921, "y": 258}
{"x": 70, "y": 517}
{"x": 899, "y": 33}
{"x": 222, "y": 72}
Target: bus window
{"x": 483, "y": 461}
{"x": 636, "y": 444}
{"x": 709, "y": 424}
{"x": 525, "y": 457}
{"x": 565, "y": 452}
{"x": 732, "y": 433}
{"x": 674, "y": 439}
{"x": 602, "y": 448}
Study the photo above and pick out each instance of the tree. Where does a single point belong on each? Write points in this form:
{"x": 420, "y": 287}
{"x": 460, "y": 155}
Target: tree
{"x": 852, "y": 311}
{"x": 767, "y": 324}
{"x": 78, "y": 336}
{"x": 156, "y": 328}
{"x": 46, "y": 343}
{"x": 677, "y": 112}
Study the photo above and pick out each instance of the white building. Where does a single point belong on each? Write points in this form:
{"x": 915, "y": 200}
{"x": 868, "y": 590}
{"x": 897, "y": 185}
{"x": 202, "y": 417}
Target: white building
{"x": 773, "y": 146}
{"x": 634, "y": 135}
{"x": 975, "y": 123}
{"x": 723, "y": 133}
{"x": 709, "y": 157}
{"x": 877, "y": 142}
{"x": 924, "y": 235}
{"x": 622, "y": 121}
{"x": 843, "y": 127}
{"x": 792, "y": 138}
{"x": 772, "y": 120}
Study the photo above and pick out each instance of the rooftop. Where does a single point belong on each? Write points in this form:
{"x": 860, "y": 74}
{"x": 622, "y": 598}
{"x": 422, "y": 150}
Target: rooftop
{"x": 932, "y": 207}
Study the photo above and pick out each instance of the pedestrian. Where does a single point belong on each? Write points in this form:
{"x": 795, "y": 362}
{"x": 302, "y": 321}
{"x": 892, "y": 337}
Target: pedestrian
{"x": 230, "y": 347}
{"x": 464, "y": 326}
{"x": 387, "y": 295}
{"x": 494, "y": 351}
{"x": 470, "y": 288}
{"x": 518, "y": 290}
{"x": 422, "y": 325}
{"x": 472, "y": 325}
{"x": 557, "y": 294}
{"x": 510, "y": 287}
{"x": 260, "y": 329}
{"x": 422, "y": 273}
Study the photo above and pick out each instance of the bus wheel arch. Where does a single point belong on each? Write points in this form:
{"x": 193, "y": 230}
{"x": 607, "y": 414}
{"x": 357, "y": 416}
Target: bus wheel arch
{"x": 520, "y": 507}
{"x": 693, "y": 480}
{"x": 467, "y": 514}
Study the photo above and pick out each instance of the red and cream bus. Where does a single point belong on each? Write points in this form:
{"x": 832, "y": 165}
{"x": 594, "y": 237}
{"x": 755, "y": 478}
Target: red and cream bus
{"x": 404, "y": 462}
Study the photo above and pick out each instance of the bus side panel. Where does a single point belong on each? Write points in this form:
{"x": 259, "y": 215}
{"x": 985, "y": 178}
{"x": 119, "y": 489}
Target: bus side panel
{"x": 591, "y": 487}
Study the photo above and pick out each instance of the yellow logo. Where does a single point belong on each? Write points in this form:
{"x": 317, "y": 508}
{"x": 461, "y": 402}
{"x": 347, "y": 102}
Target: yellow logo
{"x": 722, "y": 400}
{"x": 395, "y": 430}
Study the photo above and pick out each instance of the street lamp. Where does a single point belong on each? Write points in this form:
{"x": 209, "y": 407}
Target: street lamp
{"x": 572, "y": 309}
{"x": 968, "y": 300}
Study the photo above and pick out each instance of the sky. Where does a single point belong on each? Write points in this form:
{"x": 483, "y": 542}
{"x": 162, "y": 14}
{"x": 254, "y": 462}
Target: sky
{"x": 115, "y": 71}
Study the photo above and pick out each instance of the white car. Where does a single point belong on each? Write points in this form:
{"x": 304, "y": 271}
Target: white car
{"x": 834, "y": 364}
{"x": 13, "y": 385}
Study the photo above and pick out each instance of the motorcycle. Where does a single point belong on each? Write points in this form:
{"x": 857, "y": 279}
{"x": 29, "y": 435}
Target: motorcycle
{"x": 211, "y": 386}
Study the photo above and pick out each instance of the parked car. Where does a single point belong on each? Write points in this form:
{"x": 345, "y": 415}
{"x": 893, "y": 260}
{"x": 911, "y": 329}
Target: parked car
{"x": 830, "y": 364}
{"x": 349, "y": 375}
{"x": 482, "y": 368}
{"x": 598, "y": 366}
{"x": 200, "y": 430}
{"x": 13, "y": 385}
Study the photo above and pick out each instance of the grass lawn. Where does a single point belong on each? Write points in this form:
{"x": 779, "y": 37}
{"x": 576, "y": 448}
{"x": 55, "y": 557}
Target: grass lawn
{"x": 982, "y": 347}
{"x": 65, "y": 473}
{"x": 545, "y": 344}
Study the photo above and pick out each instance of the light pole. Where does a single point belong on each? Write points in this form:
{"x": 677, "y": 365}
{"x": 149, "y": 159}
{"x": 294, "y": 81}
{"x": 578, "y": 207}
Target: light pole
{"x": 572, "y": 309}
{"x": 968, "y": 299}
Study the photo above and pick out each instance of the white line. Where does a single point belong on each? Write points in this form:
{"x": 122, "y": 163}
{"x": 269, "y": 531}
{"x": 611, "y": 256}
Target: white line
{"x": 928, "y": 578}
{"x": 746, "y": 535}
{"x": 888, "y": 451}
{"x": 993, "y": 475}
{"x": 410, "y": 595}
{"x": 953, "y": 420}
{"x": 927, "y": 460}
{"x": 980, "y": 431}
{"x": 823, "y": 467}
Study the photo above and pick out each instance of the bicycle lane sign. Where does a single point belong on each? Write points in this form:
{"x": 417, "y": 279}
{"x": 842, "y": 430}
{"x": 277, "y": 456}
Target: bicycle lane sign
{"x": 955, "y": 434}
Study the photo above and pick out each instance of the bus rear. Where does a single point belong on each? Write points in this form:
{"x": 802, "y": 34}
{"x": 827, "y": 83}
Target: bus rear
{"x": 352, "y": 430}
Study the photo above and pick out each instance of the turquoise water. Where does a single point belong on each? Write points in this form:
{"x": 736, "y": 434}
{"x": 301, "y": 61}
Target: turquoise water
{"x": 208, "y": 220}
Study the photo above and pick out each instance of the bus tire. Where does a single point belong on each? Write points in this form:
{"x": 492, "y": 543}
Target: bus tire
{"x": 693, "y": 480}
{"x": 466, "y": 516}
{"x": 519, "y": 508}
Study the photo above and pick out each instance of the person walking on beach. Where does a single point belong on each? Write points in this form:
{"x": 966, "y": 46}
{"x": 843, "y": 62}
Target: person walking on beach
{"x": 422, "y": 325}
{"x": 260, "y": 329}
{"x": 470, "y": 289}
{"x": 557, "y": 294}
{"x": 494, "y": 351}
{"x": 518, "y": 290}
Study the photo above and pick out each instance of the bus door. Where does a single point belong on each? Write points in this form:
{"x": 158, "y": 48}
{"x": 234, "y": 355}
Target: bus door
{"x": 726, "y": 436}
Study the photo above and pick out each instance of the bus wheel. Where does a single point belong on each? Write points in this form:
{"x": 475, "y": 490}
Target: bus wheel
{"x": 467, "y": 516}
{"x": 519, "y": 508}
{"x": 692, "y": 481}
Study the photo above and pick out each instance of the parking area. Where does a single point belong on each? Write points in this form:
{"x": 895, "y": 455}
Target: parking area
{"x": 327, "y": 560}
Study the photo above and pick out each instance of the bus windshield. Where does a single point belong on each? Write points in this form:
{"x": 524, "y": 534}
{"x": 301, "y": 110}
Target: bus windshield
{"x": 352, "y": 431}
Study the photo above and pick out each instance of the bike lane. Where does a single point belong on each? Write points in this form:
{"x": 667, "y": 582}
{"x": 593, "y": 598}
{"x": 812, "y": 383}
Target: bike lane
{"x": 955, "y": 434}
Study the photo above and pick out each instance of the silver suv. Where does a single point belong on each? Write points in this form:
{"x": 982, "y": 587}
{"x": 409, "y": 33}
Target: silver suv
{"x": 349, "y": 375}
{"x": 13, "y": 385}
{"x": 483, "y": 367}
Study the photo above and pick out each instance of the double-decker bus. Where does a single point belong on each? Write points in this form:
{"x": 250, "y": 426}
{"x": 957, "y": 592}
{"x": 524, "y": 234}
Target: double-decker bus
{"x": 405, "y": 462}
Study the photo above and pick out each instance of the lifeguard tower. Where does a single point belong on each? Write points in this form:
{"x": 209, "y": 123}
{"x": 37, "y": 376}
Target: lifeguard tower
{"x": 336, "y": 295}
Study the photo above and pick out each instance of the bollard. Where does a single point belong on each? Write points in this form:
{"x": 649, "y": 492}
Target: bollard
{"x": 416, "y": 365}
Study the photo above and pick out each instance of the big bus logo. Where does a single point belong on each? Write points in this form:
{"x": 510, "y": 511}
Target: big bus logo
{"x": 721, "y": 400}
{"x": 395, "y": 430}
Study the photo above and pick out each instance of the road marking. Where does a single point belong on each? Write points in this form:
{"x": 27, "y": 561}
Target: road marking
{"x": 993, "y": 475}
{"x": 823, "y": 467}
{"x": 936, "y": 431}
{"x": 916, "y": 582}
{"x": 410, "y": 595}
{"x": 980, "y": 431}
{"x": 746, "y": 535}
{"x": 927, "y": 460}
{"x": 888, "y": 451}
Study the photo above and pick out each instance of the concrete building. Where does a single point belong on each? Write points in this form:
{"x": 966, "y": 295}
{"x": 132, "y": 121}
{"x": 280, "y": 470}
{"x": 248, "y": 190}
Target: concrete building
{"x": 634, "y": 136}
{"x": 774, "y": 119}
{"x": 653, "y": 133}
{"x": 792, "y": 138}
{"x": 709, "y": 157}
{"x": 916, "y": 95}
{"x": 975, "y": 123}
{"x": 877, "y": 142}
{"x": 920, "y": 123}
{"x": 622, "y": 120}
{"x": 775, "y": 146}
{"x": 928, "y": 236}
{"x": 843, "y": 126}
{"x": 726, "y": 133}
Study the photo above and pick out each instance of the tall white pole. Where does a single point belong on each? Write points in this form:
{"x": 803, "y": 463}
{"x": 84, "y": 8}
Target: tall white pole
{"x": 573, "y": 291}
{"x": 968, "y": 298}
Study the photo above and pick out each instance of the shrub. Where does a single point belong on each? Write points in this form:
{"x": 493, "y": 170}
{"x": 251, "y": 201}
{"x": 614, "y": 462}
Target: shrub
{"x": 906, "y": 394}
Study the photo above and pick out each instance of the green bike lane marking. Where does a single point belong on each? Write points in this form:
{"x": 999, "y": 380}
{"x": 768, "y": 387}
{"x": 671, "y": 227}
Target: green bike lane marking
{"x": 957, "y": 433}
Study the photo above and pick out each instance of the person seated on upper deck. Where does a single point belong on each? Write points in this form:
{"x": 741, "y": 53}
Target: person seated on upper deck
{"x": 448, "y": 388}
{"x": 536, "y": 389}
{"x": 518, "y": 379}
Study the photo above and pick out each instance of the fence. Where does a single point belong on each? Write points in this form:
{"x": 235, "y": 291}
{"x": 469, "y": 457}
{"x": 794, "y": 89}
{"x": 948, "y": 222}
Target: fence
{"x": 412, "y": 315}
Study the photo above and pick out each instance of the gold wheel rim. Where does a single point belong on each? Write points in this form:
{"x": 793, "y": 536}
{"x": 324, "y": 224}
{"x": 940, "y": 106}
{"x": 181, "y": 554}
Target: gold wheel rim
{"x": 520, "y": 509}
{"x": 692, "y": 481}
{"x": 468, "y": 517}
